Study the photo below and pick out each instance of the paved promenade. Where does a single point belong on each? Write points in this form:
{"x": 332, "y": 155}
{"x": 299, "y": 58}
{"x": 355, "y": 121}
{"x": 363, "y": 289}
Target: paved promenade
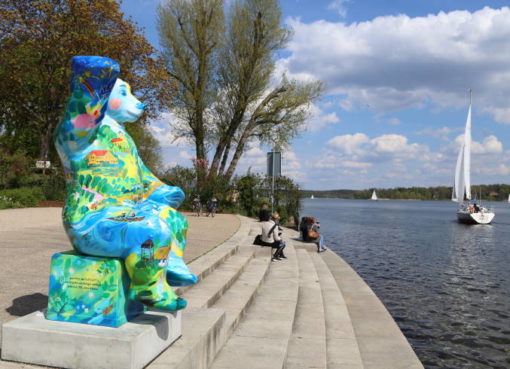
{"x": 29, "y": 237}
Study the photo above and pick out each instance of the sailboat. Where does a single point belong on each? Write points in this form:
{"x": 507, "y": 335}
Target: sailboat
{"x": 311, "y": 197}
{"x": 374, "y": 196}
{"x": 509, "y": 198}
{"x": 468, "y": 212}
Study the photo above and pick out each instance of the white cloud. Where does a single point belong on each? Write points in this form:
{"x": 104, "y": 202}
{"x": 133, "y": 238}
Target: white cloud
{"x": 360, "y": 145}
{"x": 348, "y": 144}
{"x": 440, "y": 133}
{"x": 501, "y": 115}
{"x": 489, "y": 145}
{"x": 355, "y": 164}
{"x": 394, "y": 121}
{"x": 318, "y": 119}
{"x": 398, "y": 62}
{"x": 161, "y": 129}
{"x": 339, "y": 6}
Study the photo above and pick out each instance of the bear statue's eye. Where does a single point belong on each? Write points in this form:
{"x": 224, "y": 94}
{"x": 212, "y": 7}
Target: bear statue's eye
{"x": 123, "y": 93}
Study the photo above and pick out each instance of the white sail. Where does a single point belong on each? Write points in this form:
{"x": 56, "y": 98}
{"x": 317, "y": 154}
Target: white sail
{"x": 462, "y": 184}
{"x": 508, "y": 198}
{"x": 458, "y": 184}
{"x": 467, "y": 155}
{"x": 374, "y": 196}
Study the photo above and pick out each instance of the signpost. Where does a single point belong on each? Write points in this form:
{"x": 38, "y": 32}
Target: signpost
{"x": 274, "y": 169}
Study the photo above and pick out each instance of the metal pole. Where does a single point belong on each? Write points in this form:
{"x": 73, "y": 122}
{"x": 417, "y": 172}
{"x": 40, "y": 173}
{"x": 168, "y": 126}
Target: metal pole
{"x": 272, "y": 181}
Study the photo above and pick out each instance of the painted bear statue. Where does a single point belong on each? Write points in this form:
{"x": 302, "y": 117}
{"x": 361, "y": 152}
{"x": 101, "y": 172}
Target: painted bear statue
{"x": 115, "y": 207}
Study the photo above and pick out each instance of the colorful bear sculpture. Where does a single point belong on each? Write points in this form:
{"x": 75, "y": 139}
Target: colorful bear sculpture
{"x": 115, "y": 206}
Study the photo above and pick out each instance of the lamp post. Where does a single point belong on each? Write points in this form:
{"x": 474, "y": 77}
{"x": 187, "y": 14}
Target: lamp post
{"x": 274, "y": 169}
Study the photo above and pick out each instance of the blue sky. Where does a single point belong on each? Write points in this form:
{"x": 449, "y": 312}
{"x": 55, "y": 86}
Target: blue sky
{"x": 397, "y": 75}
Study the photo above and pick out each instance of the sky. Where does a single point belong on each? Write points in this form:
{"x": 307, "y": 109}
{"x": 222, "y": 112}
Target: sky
{"x": 397, "y": 75}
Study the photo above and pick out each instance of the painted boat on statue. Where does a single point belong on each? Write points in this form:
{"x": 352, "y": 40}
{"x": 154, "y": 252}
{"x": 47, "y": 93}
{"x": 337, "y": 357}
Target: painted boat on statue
{"x": 469, "y": 211}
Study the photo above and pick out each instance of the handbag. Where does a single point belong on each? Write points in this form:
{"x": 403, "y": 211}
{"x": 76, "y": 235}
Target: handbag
{"x": 313, "y": 235}
{"x": 258, "y": 240}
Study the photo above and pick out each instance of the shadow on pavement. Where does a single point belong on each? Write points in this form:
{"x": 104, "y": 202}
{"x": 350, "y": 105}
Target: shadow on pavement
{"x": 27, "y": 304}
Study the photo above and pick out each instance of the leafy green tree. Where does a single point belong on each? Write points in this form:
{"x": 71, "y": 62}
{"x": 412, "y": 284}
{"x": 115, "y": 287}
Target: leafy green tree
{"x": 38, "y": 39}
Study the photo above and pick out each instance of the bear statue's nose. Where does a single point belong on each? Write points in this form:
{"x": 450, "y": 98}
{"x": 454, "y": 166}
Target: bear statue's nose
{"x": 140, "y": 106}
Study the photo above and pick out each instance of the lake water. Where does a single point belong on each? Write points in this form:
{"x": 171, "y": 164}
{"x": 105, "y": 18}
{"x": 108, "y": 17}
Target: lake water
{"x": 446, "y": 284}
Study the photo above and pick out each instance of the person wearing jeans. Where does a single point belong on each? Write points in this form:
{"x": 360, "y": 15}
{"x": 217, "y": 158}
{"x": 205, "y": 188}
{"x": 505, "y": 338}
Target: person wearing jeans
{"x": 271, "y": 236}
{"x": 319, "y": 241}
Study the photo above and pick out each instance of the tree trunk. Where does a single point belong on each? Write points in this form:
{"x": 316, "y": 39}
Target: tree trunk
{"x": 237, "y": 155}
{"x": 225, "y": 158}
{"x": 226, "y": 140}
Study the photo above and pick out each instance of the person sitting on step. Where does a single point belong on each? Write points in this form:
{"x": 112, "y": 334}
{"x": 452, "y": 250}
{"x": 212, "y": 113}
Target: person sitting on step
{"x": 271, "y": 236}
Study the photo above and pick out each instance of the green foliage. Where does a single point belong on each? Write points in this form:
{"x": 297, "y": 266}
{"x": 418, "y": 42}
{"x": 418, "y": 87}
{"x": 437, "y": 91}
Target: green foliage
{"x": 148, "y": 147}
{"x": 182, "y": 177}
{"x": 38, "y": 39}
{"x": 249, "y": 187}
{"x": 253, "y": 190}
{"x": 22, "y": 197}
{"x": 14, "y": 168}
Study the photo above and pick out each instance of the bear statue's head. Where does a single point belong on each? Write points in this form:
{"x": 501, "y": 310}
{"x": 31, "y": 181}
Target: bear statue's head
{"x": 122, "y": 105}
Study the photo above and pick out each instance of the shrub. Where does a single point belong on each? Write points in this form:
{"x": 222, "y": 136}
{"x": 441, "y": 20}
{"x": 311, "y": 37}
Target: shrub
{"x": 22, "y": 197}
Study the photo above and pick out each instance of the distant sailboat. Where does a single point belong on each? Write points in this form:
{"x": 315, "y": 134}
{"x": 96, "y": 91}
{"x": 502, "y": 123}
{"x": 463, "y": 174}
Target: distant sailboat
{"x": 311, "y": 197}
{"x": 509, "y": 198}
{"x": 374, "y": 196}
{"x": 468, "y": 212}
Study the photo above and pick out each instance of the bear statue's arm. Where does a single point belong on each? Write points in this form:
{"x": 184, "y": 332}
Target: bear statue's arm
{"x": 159, "y": 191}
{"x": 92, "y": 81}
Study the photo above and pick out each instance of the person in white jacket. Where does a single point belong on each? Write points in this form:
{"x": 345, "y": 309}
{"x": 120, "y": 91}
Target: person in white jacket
{"x": 271, "y": 236}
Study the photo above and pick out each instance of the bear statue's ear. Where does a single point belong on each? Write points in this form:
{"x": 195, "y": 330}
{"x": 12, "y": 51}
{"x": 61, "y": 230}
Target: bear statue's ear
{"x": 94, "y": 75}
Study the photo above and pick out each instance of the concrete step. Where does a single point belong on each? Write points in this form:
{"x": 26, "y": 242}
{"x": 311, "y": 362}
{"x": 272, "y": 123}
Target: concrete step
{"x": 228, "y": 290}
{"x": 207, "y": 263}
{"x": 381, "y": 343}
{"x": 307, "y": 345}
{"x": 201, "y": 336}
{"x": 341, "y": 344}
{"x": 261, "y": 339}
{"x": 239, "y": 297}
{"x": 210, "y": 289}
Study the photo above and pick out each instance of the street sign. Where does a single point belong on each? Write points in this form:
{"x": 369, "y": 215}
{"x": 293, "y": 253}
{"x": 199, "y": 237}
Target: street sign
{"x": 274, "y": 158}
{"x": 41, "y": 164}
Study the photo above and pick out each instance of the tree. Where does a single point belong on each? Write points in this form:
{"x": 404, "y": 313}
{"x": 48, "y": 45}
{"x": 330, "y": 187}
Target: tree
{"x": 190, "y": 32}
{"x": 247, "y": 105}
{"x": 38, "y": 39}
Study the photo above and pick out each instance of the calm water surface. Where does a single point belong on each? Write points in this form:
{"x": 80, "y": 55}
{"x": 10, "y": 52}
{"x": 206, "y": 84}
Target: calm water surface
{"x": 446, "y": 284}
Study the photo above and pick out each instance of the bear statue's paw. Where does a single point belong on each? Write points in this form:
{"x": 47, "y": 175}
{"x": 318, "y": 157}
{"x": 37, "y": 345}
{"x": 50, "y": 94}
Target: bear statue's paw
{"x": 152, "y": 297}
{"x": 177, "y": 272}
{"x": 165, "y": 304}
{"x": 179, "y": 279}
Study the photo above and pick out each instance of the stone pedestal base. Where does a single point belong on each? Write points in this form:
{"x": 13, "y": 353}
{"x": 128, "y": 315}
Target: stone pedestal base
{"x": 36, "y": 340}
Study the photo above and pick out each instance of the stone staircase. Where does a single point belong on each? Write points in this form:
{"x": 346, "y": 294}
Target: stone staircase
{"x": 308, "y": 311}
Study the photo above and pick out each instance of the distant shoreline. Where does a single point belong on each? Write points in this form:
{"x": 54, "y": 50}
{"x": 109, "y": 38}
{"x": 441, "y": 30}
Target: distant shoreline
{"x": 386, "y": 199}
